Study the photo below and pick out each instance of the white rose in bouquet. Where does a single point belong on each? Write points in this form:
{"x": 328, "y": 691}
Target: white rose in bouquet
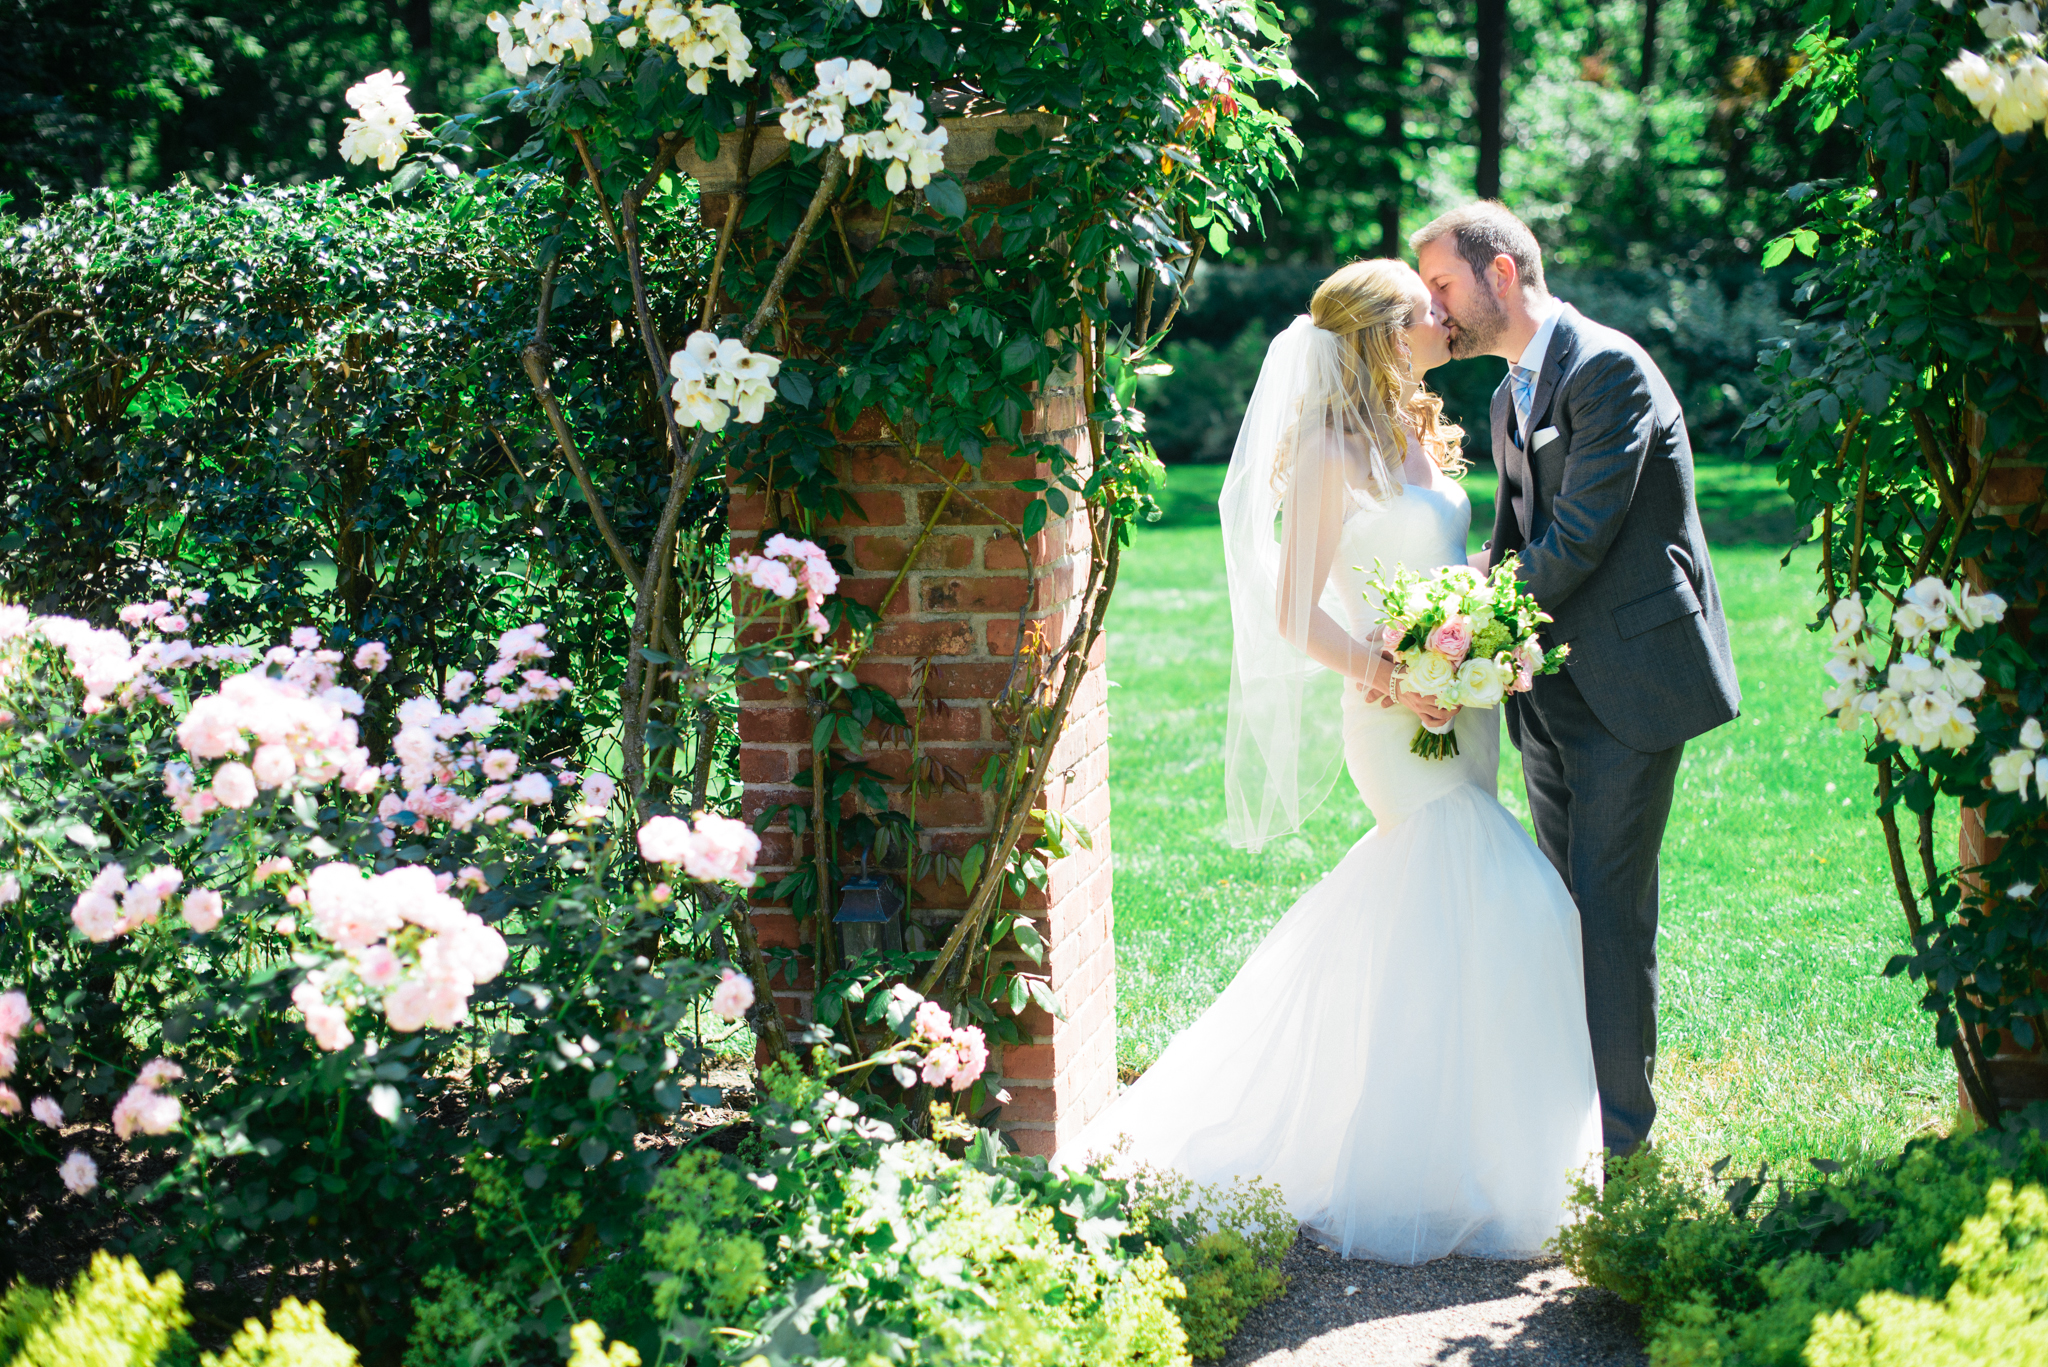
{"x": 1484, "y": 682}
{"x": 1432, "y": 675}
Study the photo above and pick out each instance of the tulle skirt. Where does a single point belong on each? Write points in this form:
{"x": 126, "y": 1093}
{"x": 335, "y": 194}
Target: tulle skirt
{"x": 1405, "y": 1054}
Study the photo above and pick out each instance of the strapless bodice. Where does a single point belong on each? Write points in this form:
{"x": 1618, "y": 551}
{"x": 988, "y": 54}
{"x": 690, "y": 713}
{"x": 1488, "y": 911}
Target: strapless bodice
{"x": 1425, "y": 529}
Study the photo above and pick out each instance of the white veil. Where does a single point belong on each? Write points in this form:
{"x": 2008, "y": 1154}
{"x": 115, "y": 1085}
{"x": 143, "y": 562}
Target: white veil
{"x": 1307, "y": 455}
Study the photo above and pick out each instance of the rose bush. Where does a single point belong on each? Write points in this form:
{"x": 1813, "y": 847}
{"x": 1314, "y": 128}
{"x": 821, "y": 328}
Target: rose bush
{"x": 289, "y": 961}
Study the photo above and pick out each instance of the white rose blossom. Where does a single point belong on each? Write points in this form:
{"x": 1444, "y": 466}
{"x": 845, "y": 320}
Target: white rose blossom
{"x": 713, "y": 378}
{"x": 384, "y": 118}
{"x": 1923, "y": 699}
{"x": 913, "y": 151}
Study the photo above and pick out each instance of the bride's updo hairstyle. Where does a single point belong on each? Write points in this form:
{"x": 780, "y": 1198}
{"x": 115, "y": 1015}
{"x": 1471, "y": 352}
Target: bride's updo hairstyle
{"x": 1370, "y": 305}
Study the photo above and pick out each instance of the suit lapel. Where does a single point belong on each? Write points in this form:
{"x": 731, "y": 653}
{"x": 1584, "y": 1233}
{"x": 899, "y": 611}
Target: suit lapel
{"x": 1564, "y": 339}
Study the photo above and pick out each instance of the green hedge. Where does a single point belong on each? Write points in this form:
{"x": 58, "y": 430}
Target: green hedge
{"x": 1937, "y": 1256}
{"x": 1704, "y": 329}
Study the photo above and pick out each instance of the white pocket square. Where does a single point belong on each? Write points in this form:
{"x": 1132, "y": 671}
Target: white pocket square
{"x": 1543, "y": 438}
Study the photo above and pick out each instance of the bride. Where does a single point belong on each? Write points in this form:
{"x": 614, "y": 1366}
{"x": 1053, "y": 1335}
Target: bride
{"x": 1405, "y": 1054}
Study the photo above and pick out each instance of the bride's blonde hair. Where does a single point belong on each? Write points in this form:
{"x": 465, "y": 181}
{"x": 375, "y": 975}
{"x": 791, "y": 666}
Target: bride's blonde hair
{"x": 1370, "y": 305}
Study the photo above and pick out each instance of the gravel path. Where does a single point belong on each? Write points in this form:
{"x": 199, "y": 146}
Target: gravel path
{"x": 1462, "y": 1311}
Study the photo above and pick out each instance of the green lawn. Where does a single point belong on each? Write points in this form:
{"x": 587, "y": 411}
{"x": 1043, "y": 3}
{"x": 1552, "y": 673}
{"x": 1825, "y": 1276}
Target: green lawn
{"x": 1780, "y": 1039}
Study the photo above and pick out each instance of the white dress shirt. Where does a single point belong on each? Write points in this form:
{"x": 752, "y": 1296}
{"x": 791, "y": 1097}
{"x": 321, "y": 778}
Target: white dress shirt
{"x": 1546, "y": 315}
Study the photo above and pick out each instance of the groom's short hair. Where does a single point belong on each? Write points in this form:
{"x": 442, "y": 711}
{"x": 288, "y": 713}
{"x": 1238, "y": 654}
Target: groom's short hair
{"x": 1483, "y": 230}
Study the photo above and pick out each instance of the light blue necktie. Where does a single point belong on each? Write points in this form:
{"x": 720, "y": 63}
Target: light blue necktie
{"x": 1524, "y": 381}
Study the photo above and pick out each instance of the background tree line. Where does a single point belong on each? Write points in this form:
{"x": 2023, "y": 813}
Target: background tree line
{"x": 1642, "y": 138}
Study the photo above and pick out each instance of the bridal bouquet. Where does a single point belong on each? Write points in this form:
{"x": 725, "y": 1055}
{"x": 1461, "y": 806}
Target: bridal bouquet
{"x": 1461, "y": 639}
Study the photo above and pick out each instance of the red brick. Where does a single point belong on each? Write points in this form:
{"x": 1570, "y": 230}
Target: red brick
{"x": 1054, "y": 587}
{"x": 761, "y": 690}
{"x": 952, "y": 808}
{"x": 940, "y": 552}
{"x": 956, "y": 721}
{"x": 1006, "y": 468}
{"x": 881, "y": 465}
{"x": 747, "y": 512}
{"x": 984, "y": 507}
{"x": 877, "y": 508}
{"x": 979, "y": 593}
{"x": 761, "y": 765}
{"x": 759, "y": 725}
{"x": 869, "y": 592}
{"x": 1034, "y": 1143}
{"x": 893, "y": 679}
{"x": 775, "y": 930}
{"x": 1029, "y": 1103}
{"x": 1030, "y": 1061}
{"x": 914, "y": 638}
{"x": 1003, "y": 553}
{"x": 866, "y": 428}
{"x": 971, "y": 680}
{"x": 778, "y": 851}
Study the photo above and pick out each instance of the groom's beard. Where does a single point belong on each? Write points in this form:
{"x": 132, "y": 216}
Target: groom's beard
{"x": 1475, "y": 334}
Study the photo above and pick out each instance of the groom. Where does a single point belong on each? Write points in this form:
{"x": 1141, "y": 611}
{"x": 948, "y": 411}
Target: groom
{"x": 1596, "y": 497}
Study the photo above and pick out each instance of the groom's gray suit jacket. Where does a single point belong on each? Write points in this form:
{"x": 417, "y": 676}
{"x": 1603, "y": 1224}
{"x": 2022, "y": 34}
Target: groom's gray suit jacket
{"x": 1601, "y": 511}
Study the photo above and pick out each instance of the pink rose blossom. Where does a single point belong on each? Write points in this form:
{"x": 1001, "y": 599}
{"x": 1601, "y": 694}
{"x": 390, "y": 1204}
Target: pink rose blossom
{"x": 134, "y": 614}
{"x": 10, "y": 1104}
{"x": 173, "y": 624}
{"x": 734, "y": 995}
{"x": 724, "y": 851}
{"x": 665, "y": 840}
{"x": 500, "y": 764}
{"x": 933, "y": 1021}
{"x": 97, "y": 916}
{"x": 327, "y": 1023}
{"x": 47, "y": 1112}
{"x": 533, "y": 788}
{"x": 14, "y": 1013}
{"x": 234, "y": 785}
{"x": 1452, "y": 640}
{"x": 10, "y": 889}
{"x": 472, "y": 877}
{"x": 79, "y": 1172}
{"x": 458, "y": 685}
{"x": 377, "y": 966}
{"x": 599, "y": 790}
{"x": 270, "y": 868}
{"x": 202, "y": 908}
{"x": 305, "y": 638}
{"x": 350, "y": 909}
{"x": 273, "y": 766}
{"x": 372, "y": 657}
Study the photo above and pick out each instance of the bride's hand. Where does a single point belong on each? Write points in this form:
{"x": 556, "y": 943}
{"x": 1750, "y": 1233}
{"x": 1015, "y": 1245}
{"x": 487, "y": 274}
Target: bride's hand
{"x": 1430, "y": 713}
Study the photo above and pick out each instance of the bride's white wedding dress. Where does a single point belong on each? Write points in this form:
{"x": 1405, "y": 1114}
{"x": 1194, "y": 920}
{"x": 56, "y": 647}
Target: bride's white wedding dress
{"x": 1405, "y": 1054}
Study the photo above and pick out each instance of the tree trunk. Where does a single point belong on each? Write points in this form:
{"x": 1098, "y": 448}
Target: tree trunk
{"x": 1486, "y": 93}
{"x": 1393, "y": 45}
{"x": 418, "y": 18}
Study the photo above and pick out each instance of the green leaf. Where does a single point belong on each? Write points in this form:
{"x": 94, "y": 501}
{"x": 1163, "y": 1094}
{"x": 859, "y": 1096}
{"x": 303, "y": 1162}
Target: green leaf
{"x": 1029, "y": 940}
{"x": 947, "y": 197}
{"x": 1042, "y": 994}
{"x": 1806, "y": 240}
{"x": 1778, "y": 251}
{"x": 1019, "y": 353}
{"x": 971, "y": 862}
{"x": 1034, "y": 519}
{"x": 1826, "y": 118}
{"x": 603, "y": 1085}
{"x": 795, "y": 386}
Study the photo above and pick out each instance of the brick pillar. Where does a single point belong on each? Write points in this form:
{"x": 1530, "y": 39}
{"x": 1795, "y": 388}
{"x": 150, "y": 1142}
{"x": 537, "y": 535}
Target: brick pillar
{"x": 966, "y": 603}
